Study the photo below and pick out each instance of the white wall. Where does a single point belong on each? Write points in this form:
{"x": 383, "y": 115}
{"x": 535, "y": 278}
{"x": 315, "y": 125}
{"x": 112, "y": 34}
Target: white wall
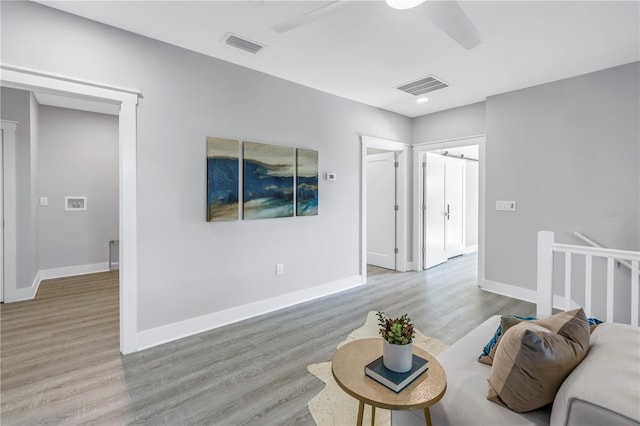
{"x": 78, "y": 156}
{"x": 188, "y": 267}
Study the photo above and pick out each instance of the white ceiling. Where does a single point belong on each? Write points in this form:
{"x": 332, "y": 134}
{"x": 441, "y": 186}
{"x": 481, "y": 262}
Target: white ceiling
{"x": 365, "y": 49}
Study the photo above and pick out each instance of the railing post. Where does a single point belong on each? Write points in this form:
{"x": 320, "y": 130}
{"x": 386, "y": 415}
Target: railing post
{"x": 545, "y": 274}
{"x": 634, "y": 293}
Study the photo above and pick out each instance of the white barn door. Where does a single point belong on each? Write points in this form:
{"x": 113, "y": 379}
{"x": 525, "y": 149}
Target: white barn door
{"x": 454, "y": 199}
{"x": 443, "y": 208}
{"x": 381, "y": 212}
{"x": 434, "y": 242}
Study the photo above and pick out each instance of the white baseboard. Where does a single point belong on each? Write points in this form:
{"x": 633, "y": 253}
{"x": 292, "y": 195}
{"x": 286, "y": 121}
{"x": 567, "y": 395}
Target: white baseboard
{"x": 520, "y": 293}
{"x": 26, "y": 293}
{"x": 70, "y": 271}
{"x": 167, "y": 333}
{"x": 471, "y": 249}
{"x": 509, "y": 290}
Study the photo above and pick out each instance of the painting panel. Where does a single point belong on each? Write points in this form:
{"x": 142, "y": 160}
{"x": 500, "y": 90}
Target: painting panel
{"x": 306, "y": 182}
{"x": 268, "y": 172}
{"x": 223, "y": 165}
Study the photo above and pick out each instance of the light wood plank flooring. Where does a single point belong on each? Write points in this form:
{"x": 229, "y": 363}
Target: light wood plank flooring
{"x": 61, "y": 365}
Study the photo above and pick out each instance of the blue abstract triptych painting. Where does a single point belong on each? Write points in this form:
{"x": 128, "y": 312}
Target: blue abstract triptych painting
{"x": 222, "y": 179}
{"x": 277, "y": 181}
{"x": 307, "y": 182}
{"x": 268, "y": 172}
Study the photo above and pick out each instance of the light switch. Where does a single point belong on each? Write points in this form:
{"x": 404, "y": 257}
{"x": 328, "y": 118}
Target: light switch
{"x": 44, "y": 201}
{"x": 509, "y": 206}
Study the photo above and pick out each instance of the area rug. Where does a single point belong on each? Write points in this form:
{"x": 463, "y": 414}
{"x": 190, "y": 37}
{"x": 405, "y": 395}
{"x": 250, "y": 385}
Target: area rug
{"x": 332, "y": 406}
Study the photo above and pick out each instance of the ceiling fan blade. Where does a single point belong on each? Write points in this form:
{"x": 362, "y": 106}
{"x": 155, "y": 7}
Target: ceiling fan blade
{"x": 450, "y": 18}
{"x": 309, "y": 17}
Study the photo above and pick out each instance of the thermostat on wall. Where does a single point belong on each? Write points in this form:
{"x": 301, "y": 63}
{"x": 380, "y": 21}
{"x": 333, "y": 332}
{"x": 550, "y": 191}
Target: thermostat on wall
{"x": 331, "y": 176}
{"x": 73, "y": 203}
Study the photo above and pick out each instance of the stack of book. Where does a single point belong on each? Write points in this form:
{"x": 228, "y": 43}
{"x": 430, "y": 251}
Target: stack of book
{"x": 395, "y": 381}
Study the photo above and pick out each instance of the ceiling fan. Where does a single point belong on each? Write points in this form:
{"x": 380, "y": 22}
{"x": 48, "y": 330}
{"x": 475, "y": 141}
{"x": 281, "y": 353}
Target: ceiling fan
{"x": 446, "y": 15}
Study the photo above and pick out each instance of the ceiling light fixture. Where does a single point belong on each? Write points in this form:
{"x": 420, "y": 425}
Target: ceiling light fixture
{"x": 422, "y": 100}
{"x": 404, "y": 4}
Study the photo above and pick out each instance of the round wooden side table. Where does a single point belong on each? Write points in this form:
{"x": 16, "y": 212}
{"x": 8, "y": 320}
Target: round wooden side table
{"x": 348, "y": 370}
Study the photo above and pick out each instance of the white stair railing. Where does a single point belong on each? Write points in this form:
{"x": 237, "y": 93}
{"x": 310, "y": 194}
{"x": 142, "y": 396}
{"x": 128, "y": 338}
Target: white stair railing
{"x": 547, "y": 246}
{"x": 592, "y": 243}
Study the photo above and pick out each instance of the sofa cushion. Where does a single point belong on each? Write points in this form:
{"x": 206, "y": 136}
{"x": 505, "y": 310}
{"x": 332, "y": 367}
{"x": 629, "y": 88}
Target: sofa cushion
{"x": 506, "y": 322}
{"x": 613, "y": 361}
{"x": 465, "y": 402}
{"x": 534, "y": 357}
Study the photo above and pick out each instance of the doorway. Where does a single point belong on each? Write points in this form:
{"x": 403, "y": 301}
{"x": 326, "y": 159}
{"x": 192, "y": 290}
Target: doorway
{"x": 395, "y": 219}
{"x": 449, "y": 194}
{"x": 382, "y": 182}
{"x": 127, "y": 101}
{"x": 2, "y": 215}
{"x": 74, "y": 231}
{"x": 8, "y": 210}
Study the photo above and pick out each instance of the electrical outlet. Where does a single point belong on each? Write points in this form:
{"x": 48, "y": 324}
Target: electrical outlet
{"x": 44, "y": 201}
{"x": 279, "y": 269}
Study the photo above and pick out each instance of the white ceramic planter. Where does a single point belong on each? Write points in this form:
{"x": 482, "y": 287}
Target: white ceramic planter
{"x": 397, "y": 358}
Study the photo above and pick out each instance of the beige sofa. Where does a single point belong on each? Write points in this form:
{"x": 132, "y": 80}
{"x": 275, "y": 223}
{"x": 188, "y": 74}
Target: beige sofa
{"x": 604, "y": 389}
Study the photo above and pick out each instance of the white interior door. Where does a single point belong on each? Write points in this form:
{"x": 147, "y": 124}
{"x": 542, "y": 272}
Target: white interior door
{"x": 454, "y": 199}
{"x": 381, "y": 213}
{"x": 434, "y": 242}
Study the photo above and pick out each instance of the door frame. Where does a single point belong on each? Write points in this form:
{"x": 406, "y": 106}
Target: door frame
{"x": 402, "y": 150}
{"x": 8, "y": 237}
{"x": 418, "y": 198}
{"x": 31, "y": 80}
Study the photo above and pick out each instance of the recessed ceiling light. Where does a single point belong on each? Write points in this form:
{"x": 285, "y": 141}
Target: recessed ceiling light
{"x": 404, "y": 4}
{"x": 422, "y": 100}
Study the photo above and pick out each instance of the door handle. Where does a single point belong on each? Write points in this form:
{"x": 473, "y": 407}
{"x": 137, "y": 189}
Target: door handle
{"x": 447, "y": 214}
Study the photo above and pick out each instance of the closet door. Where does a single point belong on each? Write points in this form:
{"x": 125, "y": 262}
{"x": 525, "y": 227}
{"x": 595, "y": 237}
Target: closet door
{"x": 434, "y": 242}
{"x": 381, "y": 213}
{"x": 454, "y": 206}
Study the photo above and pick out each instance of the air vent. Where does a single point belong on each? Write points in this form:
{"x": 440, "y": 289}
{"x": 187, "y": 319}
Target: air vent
{"x": 241, "y": 43}
{"x": 422, "y": 86}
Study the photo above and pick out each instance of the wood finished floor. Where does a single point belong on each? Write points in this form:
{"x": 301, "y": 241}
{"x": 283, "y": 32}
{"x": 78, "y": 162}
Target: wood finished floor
{"x": 60, "y": 362}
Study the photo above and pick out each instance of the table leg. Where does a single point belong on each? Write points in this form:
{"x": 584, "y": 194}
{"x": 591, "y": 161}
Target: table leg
{"x": 360, "y": 413}
{"x": 427, "y": 416}
{"x": 373, "y": 415}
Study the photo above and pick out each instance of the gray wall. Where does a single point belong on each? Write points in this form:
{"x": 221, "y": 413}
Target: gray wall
{"x": 188, "y": 267}
{"x": 78, "y": 156}
{"x": 16, "y": 106}
{"x": 461, "y": 122}
{"x": 472, "y": 188}
{"x": 568, "y": 153}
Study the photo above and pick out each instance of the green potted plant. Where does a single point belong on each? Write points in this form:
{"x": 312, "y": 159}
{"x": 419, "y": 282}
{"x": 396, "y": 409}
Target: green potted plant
{"x": 397, "y": 336}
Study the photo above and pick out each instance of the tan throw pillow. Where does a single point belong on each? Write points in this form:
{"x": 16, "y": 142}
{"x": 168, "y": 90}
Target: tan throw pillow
{"x": 534, "y": 358}
{"x": 506, "y": 322}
